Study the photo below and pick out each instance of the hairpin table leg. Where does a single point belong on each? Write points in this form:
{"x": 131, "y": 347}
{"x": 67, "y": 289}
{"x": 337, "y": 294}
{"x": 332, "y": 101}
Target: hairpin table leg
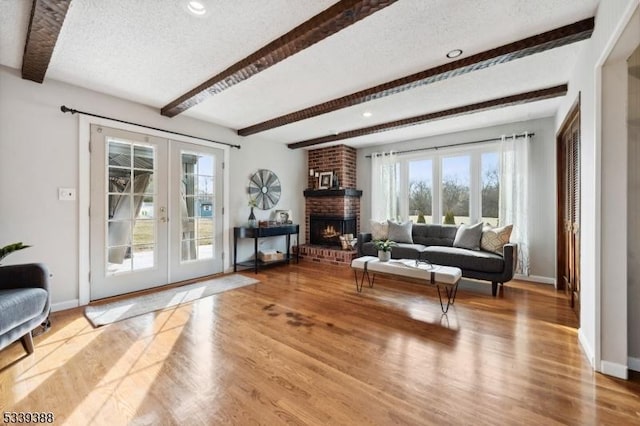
{"x": 451, "y": 296}
{"x": 361, "y": 280}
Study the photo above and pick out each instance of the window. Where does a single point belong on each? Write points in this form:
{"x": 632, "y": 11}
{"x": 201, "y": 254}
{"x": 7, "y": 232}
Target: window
{"x": 451, "y": 186}
{"x": 490, "y": 187}
{"x": 456, "y": 178}
{"x": 421, "y": 191}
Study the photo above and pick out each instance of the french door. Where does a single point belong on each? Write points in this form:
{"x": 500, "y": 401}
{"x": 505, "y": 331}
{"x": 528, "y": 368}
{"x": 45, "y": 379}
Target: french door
{"x": 155, "y": 211}
{"x": 196, "y": 203}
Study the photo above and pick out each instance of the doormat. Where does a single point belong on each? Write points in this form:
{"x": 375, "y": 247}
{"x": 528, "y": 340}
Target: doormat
{"x": 111, "y": 312}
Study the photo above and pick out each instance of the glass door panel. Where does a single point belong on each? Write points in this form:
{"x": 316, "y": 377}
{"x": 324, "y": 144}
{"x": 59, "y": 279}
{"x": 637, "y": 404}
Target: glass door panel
{"x": 131, "y": 242}
{"x": 197, "y": 197}
{"x": 197, "y": 174}
{"x": 127, "y": 238}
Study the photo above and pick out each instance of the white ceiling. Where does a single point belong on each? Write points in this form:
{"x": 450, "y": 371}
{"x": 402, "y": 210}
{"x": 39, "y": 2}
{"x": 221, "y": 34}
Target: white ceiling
{"x": 152, "y": 51}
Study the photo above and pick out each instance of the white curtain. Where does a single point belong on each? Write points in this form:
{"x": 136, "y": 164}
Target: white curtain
{"x": 384, "y": 185}
{"x": 514, "y": 194}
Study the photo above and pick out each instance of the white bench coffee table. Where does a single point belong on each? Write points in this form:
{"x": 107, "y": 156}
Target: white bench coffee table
{"x": 447, "y": 277}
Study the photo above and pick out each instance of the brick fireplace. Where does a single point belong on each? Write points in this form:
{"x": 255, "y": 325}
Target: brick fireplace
{"x": 335, "y": 211}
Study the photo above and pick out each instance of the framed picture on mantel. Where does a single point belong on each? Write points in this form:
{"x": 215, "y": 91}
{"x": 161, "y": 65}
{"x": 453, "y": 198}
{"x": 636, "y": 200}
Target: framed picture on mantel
{"x": 325, "y": 180}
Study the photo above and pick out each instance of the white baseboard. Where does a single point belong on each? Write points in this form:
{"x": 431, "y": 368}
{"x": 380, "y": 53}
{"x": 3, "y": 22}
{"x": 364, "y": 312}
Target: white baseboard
{"x": 634, "y": 364}
{"x": 535, "y": 279}
{"x": 613, "y": 369}
{"x": 61, "y": 306}
{"x": 586, "y": 348}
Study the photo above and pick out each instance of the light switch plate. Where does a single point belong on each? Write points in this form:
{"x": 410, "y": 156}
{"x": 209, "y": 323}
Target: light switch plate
{"x": 66, "y": 194}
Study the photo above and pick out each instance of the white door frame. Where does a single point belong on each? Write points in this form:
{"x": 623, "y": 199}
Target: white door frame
{"x": 602, "y": 318}
{"x": 84, "y": 192}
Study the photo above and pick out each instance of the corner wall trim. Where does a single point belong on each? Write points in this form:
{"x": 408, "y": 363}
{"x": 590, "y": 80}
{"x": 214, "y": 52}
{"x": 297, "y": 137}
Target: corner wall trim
{"x": 613, "y": 369}
{"x": 634, "y": 364}
{"x": 535, "y": 279}
{"x": 63, "y": 306}
{"x": 588, "y": 351}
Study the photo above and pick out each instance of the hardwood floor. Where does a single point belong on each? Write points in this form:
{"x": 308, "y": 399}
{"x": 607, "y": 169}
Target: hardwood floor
{"x": 303, "y": 347}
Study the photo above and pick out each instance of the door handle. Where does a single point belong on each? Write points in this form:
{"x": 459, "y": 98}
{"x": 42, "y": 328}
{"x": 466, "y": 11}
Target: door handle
{"x": 163, "y": 217}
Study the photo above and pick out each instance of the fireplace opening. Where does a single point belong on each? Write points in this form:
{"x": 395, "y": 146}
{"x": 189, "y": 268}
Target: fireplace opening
{"x": 326, "y": 230}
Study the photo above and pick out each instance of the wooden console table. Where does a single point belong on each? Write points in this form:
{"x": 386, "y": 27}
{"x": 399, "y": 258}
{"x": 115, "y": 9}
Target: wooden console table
{"x": 256, "y": 234}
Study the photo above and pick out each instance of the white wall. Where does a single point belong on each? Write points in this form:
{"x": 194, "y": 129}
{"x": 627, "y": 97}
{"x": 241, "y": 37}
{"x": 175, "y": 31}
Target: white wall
{"x": 614, "y": 212}
{"x": 542, "y": 199}
{"x": 633, "y": 207}
{"x": 39, "y": 154}
{"x": 291, "y": 168}
{"x": 611, "y": 20}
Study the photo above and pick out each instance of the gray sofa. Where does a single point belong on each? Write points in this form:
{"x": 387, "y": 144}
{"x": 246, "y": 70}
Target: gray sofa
{"x": 435, "y": 244}
{"x": 25, "y": 302}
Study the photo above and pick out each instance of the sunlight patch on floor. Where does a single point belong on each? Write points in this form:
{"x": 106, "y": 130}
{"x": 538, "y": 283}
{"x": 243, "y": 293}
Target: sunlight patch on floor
{"x": 54, "y": 355}
{"x": 125, "y": 386}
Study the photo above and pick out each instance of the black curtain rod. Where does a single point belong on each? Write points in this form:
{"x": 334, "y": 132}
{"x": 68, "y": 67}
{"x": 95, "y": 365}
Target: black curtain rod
{"x": 522, "y": 135}
{"x": 63, "y": 108}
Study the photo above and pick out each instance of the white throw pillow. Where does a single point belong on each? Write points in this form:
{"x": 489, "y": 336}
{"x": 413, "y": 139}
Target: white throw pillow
{"x": 494, "y": 239}
{"x": 401, "y": 232}
{"x": 468, "y": 236}
{"x": 379, "y": 230}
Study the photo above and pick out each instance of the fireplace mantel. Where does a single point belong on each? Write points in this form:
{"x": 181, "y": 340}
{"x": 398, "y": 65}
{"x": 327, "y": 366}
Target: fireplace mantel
{"x": 346, "y": 192}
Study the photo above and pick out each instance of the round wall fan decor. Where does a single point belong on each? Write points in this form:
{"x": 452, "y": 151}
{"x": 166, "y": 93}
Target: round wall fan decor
{"x": 264, "y": 188}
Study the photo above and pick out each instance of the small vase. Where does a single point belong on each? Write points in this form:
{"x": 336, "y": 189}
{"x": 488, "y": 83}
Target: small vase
{"x": 252, "y": 219}
{"x": 384, "y": 256}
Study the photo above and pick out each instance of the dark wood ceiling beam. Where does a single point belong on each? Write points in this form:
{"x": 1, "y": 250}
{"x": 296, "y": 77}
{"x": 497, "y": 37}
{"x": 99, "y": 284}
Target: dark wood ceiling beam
{"x": 521, "y": 98}
{"x": 329, "y": 22}
{"x": 539, "y": 43}
{"x": 47, "y": 17}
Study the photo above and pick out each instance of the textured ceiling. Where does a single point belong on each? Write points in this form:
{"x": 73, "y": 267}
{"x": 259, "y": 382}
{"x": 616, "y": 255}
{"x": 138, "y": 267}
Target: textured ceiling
{"x": 152, "y": 51}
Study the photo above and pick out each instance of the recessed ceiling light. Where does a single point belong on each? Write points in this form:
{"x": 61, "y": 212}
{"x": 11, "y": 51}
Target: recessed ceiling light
{"x": 454, "y": 53}
{"x": 196, "y": 7}
{"x": 367, "y": 114}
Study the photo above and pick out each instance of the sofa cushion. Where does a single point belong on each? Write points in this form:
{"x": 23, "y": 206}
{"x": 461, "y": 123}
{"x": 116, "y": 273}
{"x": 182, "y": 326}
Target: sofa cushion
{"x": 494, "y": 239}
{"x": 379, "y": 230}
{"x": 19, "y": 305}
{"x": 434, "y": 235}
{"x": 468, "y": 236}
{"x": 407, "y": 251}
{"x": 477, "y": 260}
{"x": 368, "y": 249}
{"x": 399, "y": 251}
{"x": 400, "y": 232}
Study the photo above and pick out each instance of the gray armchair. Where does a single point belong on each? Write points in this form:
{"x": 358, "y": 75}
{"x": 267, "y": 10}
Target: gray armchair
{"x": 25, "y": 302}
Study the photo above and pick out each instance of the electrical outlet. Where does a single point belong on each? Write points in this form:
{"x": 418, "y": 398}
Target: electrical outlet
{"x": 66, "y": 194}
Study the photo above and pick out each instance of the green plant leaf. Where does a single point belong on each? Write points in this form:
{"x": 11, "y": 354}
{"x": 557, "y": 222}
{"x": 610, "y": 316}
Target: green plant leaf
{"x": 449, "y": 218}
{"x": 8, "y": 249}
{"x": 384, "y": 245}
